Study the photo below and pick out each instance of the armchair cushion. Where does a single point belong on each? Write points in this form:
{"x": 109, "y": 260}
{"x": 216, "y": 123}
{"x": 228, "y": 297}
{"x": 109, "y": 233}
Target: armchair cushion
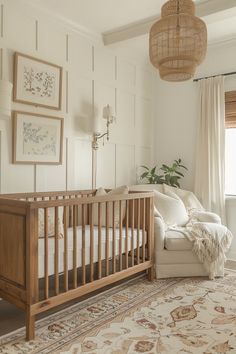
{"x": 175, "y": 241}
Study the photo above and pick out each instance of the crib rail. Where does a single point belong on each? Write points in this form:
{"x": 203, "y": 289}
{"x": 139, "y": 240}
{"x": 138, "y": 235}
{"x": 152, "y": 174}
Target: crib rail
{"x": 105, "y": 239}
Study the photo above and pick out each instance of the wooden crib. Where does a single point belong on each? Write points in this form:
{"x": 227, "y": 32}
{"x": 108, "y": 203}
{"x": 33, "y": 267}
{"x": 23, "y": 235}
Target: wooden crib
{"x": 106, "y": 239}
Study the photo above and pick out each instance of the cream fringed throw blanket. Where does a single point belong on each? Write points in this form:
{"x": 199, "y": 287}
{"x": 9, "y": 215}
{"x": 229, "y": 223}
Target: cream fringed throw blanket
{"x": 210, "y": 240}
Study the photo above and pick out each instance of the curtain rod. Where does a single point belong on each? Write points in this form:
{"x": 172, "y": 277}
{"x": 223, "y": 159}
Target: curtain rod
{"x": 208, "y": 77}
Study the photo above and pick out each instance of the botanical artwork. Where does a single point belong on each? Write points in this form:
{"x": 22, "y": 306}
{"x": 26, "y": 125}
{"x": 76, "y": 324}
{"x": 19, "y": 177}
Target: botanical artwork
{"x": 167, "y": 316}
{"x": 37, "y": 82}
{"x": 37, "y": 138}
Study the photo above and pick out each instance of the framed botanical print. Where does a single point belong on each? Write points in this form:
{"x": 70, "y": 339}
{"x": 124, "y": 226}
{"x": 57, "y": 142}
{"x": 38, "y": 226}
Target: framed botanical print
{"x": 37, "y": 82}
{"x": 37, "y": 139}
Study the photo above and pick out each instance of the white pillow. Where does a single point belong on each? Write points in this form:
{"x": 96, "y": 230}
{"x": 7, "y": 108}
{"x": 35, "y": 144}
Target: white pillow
{"x": 51, "y": 222}
{"x": 188, "y": 198}
{"x": 101, "y": 192}
{"x": 171, "y": 208}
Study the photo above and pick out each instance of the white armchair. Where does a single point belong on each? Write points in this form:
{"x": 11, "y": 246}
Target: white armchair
{"x": 173, "y": 251}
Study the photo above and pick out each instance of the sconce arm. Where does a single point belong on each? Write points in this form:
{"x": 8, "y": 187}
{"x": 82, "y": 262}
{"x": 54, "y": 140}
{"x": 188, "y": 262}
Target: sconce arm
{"x": 100, "y": 136}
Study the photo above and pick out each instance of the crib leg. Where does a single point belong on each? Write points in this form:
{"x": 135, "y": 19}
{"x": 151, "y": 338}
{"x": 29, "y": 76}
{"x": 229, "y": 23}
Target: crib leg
{"x": 30, "y": 325}
{"x": 151, "y": 274}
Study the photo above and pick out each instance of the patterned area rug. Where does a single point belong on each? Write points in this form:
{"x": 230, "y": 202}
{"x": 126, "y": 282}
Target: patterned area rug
{"x": 173, "y": 316}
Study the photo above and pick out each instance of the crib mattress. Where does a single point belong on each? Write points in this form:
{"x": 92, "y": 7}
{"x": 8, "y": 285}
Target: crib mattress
{"x": 51, "y": 247}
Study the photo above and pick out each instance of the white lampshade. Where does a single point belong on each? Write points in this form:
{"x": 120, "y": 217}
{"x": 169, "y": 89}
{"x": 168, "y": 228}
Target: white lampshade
{"x": 5, "y": 97}
{"x": 108, "y": 112}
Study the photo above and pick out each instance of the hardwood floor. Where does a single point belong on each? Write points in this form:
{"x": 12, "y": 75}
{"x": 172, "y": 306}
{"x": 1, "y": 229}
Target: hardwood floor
{"x": 12, "y": 318}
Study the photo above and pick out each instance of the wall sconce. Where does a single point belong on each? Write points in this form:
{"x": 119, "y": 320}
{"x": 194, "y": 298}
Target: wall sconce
{"x": 97, "y": 135}
{"x": 5, "y": 98}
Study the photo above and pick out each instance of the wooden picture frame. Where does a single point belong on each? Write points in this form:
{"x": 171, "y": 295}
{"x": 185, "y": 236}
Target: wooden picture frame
{"x": 37, "y": 139}
{"x": 37, "y": 82}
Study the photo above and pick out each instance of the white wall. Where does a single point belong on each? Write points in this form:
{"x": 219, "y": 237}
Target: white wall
{"x": 176, "y": 118}
{"x": 93, "y": 76}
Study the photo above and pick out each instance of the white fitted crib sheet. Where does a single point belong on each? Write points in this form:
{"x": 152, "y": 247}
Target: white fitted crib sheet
{"x": 51, "y": 247}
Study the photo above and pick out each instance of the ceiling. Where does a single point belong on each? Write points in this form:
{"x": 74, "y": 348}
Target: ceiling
{"x": 104, "y": 15}
{"x": 101, "y": 16}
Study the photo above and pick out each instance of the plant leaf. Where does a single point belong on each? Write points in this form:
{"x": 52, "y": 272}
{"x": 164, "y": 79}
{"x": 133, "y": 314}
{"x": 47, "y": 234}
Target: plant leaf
{"x": 183, "y": 167}
{"x": 179, "y": 173}
{"x": 153, "y": 170}
{"x": 145, "y": 167}
{"x": 144, "y": 175}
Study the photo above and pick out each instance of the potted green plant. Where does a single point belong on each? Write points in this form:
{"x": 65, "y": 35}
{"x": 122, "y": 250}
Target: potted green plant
{"x": 165, "y": 174}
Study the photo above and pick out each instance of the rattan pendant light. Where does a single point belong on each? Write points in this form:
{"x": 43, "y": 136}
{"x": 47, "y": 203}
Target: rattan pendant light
{"x": 178, "y": 41}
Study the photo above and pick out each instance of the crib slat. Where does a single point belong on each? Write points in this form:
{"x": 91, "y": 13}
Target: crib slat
{"x": 75, "y": 213}
{"x": 120, "y": 234}
{"x": 83, "y": 245}
{"x": 132, "y": 232}
{"x": 107, "y": 238}
{"x": 138, "y": 231}
{"x": 127, "y": 235}
{"x": 56, "y": 270}
{"x": 143, "y": 230}
{"x": 46, "y": 286}
{"x": 99, "y": 242}
{"x": 113, "y": 238}
{"x": 91, "y": 243}
{"x": 65, "y": 248}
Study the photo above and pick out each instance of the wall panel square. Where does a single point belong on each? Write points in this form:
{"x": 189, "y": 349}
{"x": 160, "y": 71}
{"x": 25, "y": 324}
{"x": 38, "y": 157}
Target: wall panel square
{"x": 106, "y": 166}
{"x": 125, "y": 165}
{"x": 126, "y": 73}
{"x": 19, "y": 28}
{"x": 52, "y": 42}
{"x": 142, "y": 157}
{"x": 80, "y": 55}
{"x": 79, "y": 165}
{"x": 123, "y": 132}
{"x": 104, "y": 65}
{"x": 143, "y": 122}
{"x": 80, "y": 104}
{"x": 144, "y": 82}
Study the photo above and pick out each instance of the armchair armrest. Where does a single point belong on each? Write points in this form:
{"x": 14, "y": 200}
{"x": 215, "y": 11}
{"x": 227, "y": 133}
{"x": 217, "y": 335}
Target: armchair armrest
{"x": 206, "y": 216}
{"x": 159, "y": 233}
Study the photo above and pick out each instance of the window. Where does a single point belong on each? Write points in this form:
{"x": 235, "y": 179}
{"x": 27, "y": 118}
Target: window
{"x": 230, "y": 143}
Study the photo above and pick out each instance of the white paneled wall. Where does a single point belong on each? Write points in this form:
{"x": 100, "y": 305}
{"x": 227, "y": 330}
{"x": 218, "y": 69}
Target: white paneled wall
{"x": 93, "y": 76}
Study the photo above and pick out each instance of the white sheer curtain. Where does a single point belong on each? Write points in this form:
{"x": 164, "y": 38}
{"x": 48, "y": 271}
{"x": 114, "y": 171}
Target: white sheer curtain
{"x": 210, "y": 159}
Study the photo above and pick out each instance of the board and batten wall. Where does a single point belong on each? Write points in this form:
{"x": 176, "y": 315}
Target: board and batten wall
{"x": 177, "y": 114}
{"x": 93, "y": 76}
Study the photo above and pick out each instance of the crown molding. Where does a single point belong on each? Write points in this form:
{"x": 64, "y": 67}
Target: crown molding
{"x": 65, "y": 22}
{"x": 207, "y": 10}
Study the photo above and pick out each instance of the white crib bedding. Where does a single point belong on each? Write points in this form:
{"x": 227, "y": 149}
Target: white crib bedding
{"x": 51, "y": 247}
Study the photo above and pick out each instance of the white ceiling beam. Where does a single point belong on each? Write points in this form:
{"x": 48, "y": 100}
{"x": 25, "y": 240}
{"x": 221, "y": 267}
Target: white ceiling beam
{"x": 206, "y": 9}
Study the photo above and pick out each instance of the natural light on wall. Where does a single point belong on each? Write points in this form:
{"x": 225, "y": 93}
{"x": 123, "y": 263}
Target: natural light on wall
{"x": 230, "y": 163}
